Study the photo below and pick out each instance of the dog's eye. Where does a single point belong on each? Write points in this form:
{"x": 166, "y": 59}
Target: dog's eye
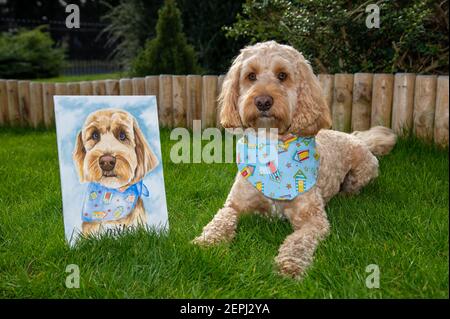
{"x": 122, "y": 136}
{"x": 252, "y": 76}
{"x": 95, "y": 136}
{"x": 282, "y": 76}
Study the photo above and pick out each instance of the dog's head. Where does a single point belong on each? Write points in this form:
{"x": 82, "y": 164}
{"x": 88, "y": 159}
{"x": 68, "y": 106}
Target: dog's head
{"x": 111, "y": 150}
{"x": 270, "y": 85}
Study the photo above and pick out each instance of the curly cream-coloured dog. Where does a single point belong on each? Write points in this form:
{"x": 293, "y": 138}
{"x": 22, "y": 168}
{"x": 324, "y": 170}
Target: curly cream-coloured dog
{"x": 113, "y": 156}
{"x": 272, "y": 86}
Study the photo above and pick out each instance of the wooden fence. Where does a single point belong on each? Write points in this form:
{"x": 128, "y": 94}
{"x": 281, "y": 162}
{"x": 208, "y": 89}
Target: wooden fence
{"x": 405, "y": 102}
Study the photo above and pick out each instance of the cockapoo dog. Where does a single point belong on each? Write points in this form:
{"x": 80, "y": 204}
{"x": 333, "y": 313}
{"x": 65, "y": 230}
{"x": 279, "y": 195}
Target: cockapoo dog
{"x": 272, "y": 86}
{"x": 113, "y": 156}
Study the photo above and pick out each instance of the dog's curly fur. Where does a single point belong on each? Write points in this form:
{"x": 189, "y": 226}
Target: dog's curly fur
{"x": 347, "y": 161}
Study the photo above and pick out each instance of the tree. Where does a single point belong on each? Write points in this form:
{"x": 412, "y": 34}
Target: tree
{"x": 203, "y": 23}
{"x": 169, "y": 52}
{"x": 130, "y": 24}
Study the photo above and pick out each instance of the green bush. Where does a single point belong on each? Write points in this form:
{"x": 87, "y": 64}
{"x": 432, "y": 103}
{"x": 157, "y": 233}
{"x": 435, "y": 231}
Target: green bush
{"x": 169, "y": 51}
{"x": 333, "y": 35}
{"x": 29, "y": 54}
{"x": 130, "y": 23}
{"x": 203, "y": 23}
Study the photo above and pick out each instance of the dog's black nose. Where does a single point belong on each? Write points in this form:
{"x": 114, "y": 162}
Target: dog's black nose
{"x": 263, "y": 102}
{"x": 107, "y": 162}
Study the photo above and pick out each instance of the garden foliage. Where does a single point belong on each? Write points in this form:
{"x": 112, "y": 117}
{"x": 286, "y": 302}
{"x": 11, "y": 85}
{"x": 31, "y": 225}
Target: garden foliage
{"x": 29, "y": 54}
{"x": 332, "y": 34}
{"x": 169, "y": 52}
{"x": 129, "y": 25}
{"x": 132, "y": 22}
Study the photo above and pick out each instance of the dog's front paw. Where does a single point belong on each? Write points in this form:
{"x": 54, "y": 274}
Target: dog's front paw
{"x": 290, "y": 267}
{"x": 211, "y": 238}
{"x": 202, "y": 241}
{"x": 207, "y": 239}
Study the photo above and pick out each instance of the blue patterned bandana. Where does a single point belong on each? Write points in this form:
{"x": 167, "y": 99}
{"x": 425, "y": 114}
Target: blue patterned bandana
{"x": 282, "y": 169}
{"x": 108, "y": 204}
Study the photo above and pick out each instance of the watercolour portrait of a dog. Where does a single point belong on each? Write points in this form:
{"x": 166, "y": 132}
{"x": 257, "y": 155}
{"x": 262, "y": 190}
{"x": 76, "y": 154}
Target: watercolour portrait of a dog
{"x": 110, "y": 164}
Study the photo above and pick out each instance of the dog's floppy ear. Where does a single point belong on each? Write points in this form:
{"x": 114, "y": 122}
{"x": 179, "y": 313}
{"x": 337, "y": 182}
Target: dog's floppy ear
{"x": 228, "y": 99}
{"x": 79, "y": 152}
{"x": 146, "y": 159}
{"x": 312, "y": 112}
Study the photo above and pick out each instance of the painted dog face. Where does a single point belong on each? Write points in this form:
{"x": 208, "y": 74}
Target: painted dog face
{"x": 111, "y": 150}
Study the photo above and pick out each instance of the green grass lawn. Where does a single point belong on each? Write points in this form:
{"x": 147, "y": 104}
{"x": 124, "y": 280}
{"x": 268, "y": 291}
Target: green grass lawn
{"x": 399, "y": 222}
